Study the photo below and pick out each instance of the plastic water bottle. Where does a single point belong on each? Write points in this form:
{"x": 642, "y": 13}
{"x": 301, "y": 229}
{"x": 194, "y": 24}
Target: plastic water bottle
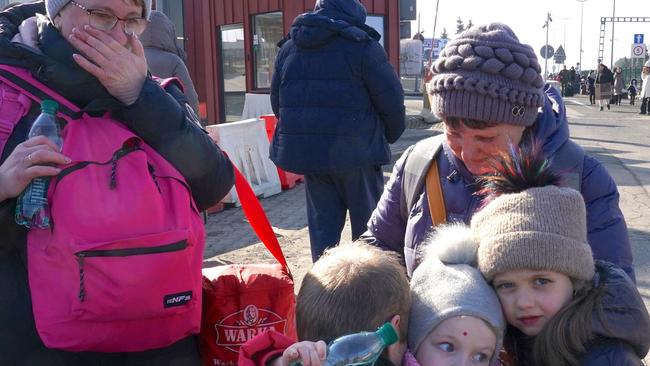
{"x": 360, "y": 348}
{"x": 32, "y": 209}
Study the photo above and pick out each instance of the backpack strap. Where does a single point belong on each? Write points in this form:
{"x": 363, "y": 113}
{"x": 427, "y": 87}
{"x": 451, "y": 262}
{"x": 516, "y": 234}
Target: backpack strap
{"x": 568, "y": 160}
{"x": 416, "y": 167}
{"x": 14, "y": 106}
{"x": 22, "y": 80}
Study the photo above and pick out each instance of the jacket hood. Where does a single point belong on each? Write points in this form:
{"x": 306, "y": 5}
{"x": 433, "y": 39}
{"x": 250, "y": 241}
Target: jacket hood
{"x": 350, "y": 11}
{"x": 624, "y": 315}
{"x": 314, "y": 30}
{"x": 552, "y": 126}
{"x": 161, "y": 34}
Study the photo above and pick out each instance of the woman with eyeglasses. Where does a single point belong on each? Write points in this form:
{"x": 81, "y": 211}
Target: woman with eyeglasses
{"x": 86, "y": 54}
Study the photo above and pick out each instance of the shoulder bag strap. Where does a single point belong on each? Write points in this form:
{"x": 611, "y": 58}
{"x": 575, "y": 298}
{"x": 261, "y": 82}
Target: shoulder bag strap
{"x": 434, "y": 195}
{"x": 416, "y": 166}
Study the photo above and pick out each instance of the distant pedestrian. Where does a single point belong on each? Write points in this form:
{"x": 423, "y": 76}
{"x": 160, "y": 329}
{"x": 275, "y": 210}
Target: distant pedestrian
{"x": 339, "y": 103}
{"x": 572, "y": 82}
{"x": 632, "y": 91}
{"x": 164, "y": 58}
{"x": 645, "y": 88}
{"x": 604, "y": 79}
{"x": 591, "y": 86}
{"x": 618, "y": 85}
{"x": 564, "y": 80}
{"x": 418, "y": 37}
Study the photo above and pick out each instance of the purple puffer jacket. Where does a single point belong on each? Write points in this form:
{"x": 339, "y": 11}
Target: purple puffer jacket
{"x": 607, "y": 231}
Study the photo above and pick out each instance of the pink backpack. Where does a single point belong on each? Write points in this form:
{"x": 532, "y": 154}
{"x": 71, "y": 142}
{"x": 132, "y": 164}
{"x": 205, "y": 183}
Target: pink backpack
{"x": 119, "y": 270}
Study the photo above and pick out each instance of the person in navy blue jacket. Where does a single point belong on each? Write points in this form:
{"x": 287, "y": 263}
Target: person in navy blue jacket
{"x": 339, "y": 104}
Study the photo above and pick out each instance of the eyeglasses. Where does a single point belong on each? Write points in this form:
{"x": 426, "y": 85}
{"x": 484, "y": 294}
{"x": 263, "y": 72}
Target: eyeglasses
{"x": 104, "y": 21}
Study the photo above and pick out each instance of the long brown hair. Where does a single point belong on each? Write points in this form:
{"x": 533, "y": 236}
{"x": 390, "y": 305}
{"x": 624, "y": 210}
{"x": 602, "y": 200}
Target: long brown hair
{"x": 565, "y": 337}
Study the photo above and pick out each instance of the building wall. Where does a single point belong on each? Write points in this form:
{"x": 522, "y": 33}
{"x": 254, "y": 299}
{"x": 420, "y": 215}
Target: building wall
{"x": 203, "y": 19}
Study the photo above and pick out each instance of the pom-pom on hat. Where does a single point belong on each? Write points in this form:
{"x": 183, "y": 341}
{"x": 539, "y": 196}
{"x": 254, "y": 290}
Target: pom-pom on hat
{"x": 486, "y": 74}
{"x": 447, "y": 284}
{"x": 529, "y": 222}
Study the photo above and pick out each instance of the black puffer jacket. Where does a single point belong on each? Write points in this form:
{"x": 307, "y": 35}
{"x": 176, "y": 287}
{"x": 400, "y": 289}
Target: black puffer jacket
{"x": 338, "y": 100}
{"x": 160, "y": 118}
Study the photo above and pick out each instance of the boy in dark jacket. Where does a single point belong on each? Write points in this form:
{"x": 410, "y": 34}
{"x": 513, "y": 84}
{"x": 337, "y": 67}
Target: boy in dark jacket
{"x": 339, "y": 103}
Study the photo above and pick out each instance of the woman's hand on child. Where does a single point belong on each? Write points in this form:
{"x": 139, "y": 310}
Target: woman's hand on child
{"x": 308, "y": 353}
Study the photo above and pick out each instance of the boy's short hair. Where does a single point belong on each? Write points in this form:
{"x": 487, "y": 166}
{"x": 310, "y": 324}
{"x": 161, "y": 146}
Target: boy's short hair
{"x": 353, "y": 287}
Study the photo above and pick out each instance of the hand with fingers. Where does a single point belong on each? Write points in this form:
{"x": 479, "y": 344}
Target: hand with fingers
{"x": 307, "y": 353}
{"x": 122, "y": 69}
{"x": 36, "y": 157}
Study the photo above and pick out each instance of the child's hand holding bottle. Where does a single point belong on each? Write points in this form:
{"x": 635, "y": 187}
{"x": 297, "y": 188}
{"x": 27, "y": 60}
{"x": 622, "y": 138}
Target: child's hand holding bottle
{"x": 304, "y": 353}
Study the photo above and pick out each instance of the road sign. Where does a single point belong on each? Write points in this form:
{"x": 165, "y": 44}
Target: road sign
{"x": 559, "y": 56}
{"x": 547, "y": 51}
{"x": 638, "y": 50}
{"x": 638, "y": 38}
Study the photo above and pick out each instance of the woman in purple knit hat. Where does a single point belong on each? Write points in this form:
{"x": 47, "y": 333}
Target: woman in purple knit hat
{"x": 488, "y": 90}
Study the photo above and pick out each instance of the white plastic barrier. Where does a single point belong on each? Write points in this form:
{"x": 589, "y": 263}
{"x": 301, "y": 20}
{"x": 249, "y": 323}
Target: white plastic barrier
{"x": 247, "y": 146}
{"x": 256, "y": 105}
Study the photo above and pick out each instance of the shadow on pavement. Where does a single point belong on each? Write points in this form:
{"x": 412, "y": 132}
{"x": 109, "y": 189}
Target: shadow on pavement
{"x": 591, "y": 125}
{"x": 609, "y": 141}
{"x": 608, "y": 158}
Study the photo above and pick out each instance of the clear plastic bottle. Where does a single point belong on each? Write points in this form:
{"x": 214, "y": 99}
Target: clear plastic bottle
{"x": 32, "y": 209}
{"x": 360, "y": 348}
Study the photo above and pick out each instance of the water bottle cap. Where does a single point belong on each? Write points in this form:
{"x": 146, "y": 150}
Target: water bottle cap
{"x": 387, "y": 334}
{"x": 49, "y": 106}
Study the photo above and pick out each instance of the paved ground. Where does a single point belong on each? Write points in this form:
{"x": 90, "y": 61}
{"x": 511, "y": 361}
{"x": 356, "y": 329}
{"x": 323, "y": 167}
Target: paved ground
{"x": 620, "y": 138}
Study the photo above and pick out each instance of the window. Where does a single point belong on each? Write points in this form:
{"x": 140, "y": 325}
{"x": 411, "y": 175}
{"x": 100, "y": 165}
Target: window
{"x": 174, "y": 10}
{"x": 377, "y": 23}
{"x": 267, "y": 32}
{"x": 233, "y": 71}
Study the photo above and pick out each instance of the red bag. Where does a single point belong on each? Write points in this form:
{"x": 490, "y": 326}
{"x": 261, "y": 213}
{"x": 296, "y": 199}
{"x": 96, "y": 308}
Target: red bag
{"x": 243, "y": 300}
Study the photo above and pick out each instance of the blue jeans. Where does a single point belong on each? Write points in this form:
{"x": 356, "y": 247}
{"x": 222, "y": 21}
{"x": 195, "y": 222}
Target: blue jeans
{"x": 330, "y": 196}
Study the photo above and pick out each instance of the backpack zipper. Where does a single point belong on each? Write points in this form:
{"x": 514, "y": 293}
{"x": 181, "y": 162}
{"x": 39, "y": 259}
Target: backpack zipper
{"x": 119, "y": 154}
{"x": 152, "y": 172}
{"x": 173, "y": 247}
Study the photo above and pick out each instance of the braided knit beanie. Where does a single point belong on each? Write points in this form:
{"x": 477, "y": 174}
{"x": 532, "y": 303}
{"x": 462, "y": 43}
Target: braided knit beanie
{"x": 486, "y": 74}
{"x": 541, "y": 228}
{"x": 53, "y": 7}
{"x": 447, "y": 284}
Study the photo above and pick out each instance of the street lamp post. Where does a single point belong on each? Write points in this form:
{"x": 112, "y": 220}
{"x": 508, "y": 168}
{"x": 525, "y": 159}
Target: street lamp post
{"x": 546, "y": 25}
{"x": 582, "y": 8}
{"x": 611, "y": 63}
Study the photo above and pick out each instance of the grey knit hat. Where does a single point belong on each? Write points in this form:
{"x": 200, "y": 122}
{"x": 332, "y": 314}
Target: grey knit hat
{"x": 53, "y": 7}
{"x": 447, "y": 284}
{"x": 542, "y": 228}
{"x": 486, "y": 74}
